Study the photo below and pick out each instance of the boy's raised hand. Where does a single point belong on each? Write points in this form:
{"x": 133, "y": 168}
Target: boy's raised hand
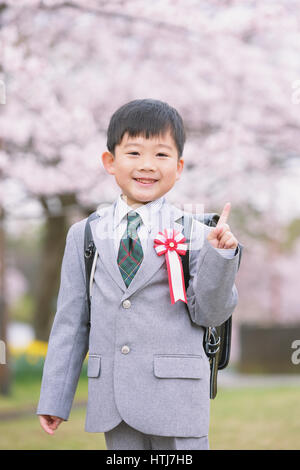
{"x": 220, "y": 236}
{"x": 50, "y": 423}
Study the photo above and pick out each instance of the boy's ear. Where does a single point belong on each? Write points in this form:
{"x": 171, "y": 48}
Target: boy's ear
{"x": 108, "y": 161}
{"x": 180, "y": 165}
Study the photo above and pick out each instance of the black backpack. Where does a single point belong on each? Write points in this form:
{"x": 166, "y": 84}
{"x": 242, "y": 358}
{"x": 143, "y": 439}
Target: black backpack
{"x": 216, "y": 340}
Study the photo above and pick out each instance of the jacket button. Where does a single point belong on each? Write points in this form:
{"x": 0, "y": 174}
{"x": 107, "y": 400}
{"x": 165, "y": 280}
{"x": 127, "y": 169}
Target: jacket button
{"x": 126, "y": 303}
{"x": 125, "y": 349}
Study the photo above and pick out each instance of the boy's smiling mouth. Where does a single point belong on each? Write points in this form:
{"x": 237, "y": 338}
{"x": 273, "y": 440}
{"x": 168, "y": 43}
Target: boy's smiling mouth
{"x": 145, "y": 181}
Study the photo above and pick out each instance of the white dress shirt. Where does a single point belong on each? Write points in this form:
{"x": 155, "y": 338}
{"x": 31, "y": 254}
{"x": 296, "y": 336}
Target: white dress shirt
{"x": 147, "y": 212}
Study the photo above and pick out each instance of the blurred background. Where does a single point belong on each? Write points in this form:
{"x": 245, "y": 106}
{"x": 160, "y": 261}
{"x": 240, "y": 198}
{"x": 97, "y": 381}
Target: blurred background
{"x": 232, "y": 70}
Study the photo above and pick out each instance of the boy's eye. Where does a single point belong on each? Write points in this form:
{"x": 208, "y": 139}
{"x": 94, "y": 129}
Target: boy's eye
{"x": 137, "y": 153}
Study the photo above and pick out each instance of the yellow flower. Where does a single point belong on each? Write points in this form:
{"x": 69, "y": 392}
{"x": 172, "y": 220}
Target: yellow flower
{"x": 35, "y": 349}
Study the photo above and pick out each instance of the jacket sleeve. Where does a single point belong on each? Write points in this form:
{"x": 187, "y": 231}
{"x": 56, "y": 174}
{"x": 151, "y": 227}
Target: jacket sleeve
{"x": 68, "y": 341}
{"x": 211, "y": 295}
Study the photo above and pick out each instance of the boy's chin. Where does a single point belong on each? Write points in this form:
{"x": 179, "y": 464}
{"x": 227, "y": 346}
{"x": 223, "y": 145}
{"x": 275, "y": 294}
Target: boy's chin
{"x": 138, "y": 199}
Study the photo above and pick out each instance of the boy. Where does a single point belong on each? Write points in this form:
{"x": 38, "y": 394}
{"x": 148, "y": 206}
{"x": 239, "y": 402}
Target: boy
{"x": 148, "y": 373}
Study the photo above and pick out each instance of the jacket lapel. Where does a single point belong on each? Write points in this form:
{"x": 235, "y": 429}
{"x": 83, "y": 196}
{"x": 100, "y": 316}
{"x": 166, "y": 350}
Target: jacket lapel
{"x": 102, "y": 230}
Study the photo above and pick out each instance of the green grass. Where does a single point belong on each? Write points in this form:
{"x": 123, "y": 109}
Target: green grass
{"x": 244, "y": 418}
{"x": 27, "y": 434}
{"x": 25, "y": 394}
{"x": 256, "y": 418}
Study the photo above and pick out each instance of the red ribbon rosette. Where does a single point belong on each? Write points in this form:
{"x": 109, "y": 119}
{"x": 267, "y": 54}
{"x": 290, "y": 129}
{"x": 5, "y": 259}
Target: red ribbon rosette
{"x": 171, "y": 244}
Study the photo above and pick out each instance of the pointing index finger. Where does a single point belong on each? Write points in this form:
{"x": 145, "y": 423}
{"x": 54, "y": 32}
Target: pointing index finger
{"x": 225, "y": 214}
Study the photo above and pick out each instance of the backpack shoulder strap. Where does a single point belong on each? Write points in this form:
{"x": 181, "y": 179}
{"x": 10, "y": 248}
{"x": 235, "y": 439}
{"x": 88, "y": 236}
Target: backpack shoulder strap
{"x": 89, "y": 254}
{"x": 187, "y": 222}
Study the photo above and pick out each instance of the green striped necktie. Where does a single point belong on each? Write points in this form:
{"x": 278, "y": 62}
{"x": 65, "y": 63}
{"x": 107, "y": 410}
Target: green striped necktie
{"x": 130, "y": 254}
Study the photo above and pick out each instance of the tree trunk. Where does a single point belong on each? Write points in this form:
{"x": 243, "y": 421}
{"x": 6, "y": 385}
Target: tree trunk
{"x": 48, "y": 278}
{"x": 5, "y": 375}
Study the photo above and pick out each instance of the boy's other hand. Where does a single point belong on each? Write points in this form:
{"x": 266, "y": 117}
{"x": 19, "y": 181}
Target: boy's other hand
{"x": 221, "y": 236}
{"x": 50, "y": 423}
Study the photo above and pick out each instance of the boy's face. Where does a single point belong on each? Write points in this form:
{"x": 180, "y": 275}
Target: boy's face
{"x": 154, "y": 159}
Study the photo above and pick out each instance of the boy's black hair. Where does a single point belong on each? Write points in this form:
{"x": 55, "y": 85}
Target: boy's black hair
{"x": 146, "y": 117}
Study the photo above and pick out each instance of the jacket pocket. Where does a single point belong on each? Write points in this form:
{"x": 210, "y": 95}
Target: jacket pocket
{"x": 94, "y": 365}
{"x": 178, "y": 366}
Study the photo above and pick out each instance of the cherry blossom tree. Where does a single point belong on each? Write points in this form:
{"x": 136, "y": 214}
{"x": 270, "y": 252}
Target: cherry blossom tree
{"x": 229, "y": 67}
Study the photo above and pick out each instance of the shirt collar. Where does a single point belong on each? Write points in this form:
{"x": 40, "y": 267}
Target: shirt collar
{"x": 146, "y": 211}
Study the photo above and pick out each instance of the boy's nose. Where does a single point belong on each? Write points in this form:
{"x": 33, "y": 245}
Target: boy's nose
{"x": 147, "y": 163}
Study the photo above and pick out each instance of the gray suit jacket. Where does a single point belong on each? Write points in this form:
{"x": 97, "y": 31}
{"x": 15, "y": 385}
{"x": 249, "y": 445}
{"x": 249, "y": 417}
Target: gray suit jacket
{"x": 146, "y": 361}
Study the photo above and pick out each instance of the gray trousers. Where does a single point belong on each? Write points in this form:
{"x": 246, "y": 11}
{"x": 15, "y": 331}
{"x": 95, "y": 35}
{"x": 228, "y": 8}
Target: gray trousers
{"x": 124, "y": 437}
